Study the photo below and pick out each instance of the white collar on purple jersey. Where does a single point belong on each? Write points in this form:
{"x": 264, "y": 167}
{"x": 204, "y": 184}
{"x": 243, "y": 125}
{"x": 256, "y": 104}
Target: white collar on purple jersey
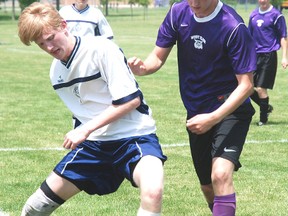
{"x": 263, "y": 12}
{"x": 211, "y": 16}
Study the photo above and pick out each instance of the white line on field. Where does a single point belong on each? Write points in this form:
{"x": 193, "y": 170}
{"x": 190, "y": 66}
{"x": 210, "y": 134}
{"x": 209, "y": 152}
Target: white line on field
{"x": 3, "y": 213}
{"x": 163, "y": 145}
{"x": 31, "y": 149}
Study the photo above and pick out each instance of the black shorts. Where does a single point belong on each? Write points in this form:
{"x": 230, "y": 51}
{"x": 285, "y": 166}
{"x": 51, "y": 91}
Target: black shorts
{"x": 225, "y": 140}
{"x": 265, "y": 74}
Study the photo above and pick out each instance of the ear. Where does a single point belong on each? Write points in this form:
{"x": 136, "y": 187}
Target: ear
{"x": 63, "y": 24}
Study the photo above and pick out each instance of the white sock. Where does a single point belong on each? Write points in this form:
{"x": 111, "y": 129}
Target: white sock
{"x": 142, "y": 212}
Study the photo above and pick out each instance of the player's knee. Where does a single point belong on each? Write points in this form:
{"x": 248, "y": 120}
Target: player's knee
{"x": 152, "y": 196}
{"x": 220, "y": 177}
{"x": 156, "y": 193}
{"x": 42, "y": 202}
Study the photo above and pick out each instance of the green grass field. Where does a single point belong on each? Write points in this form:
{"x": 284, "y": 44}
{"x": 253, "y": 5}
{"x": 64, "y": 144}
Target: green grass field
{"x": 33, "y": 122}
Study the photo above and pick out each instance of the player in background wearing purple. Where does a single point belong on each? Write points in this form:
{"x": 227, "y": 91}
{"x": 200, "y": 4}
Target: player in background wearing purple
{"x": 82, "y": 20}
{"x": 117, "y": 137}
{"x": 268, "y": 28}
{"x": 216, "y": 60}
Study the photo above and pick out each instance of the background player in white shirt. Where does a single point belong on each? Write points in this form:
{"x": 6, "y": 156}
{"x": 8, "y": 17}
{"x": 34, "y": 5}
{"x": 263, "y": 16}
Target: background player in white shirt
{"x": 83, "y": 19}
{"x": 117, "y": 136}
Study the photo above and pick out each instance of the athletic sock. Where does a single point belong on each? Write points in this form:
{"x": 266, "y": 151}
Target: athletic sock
{"x": 255, "y": 97}
{"x": 264, "y": 105}
{"x": 224, "y": 205}
{"x": 210, "y": 205}
{"x": 142, "y": 212}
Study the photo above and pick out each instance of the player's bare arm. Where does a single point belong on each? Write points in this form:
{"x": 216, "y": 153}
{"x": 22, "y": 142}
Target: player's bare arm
{"x": 284, "y": 46}
{"x": 201, "y": 123}
{"x": 153, "y": 62}
{"x": 112, "y": 113}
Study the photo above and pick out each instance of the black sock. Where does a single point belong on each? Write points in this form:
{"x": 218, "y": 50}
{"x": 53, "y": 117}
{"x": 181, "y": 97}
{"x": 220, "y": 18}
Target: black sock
{"x": 255, "y": 97}
{"x": 264, "y": 105}
{"x": 210, "y": 205}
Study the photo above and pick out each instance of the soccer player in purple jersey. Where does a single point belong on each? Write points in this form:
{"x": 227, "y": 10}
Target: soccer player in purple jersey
{"x": 117, "y": 137}
{"x": 268, "y": 28}
{"x": 216, "y": 60}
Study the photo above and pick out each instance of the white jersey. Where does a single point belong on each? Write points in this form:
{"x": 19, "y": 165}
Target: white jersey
{"x": 96, "y": 76}
{"x": 89, "y": 21}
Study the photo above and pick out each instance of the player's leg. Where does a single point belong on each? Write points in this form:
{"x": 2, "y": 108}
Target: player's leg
{"x": 200, "y": 147}
{"x": 229, "y": 138}
{"x": 148, "y": 175}
{"x": 260, "y": 97}
{"x": 141, "y": 161}
{"x": 256, "y": 76}
{"x": 265, "y": 80}
{"x": 208, "y": 193}
{"x": 222, "y": 181}
{"x": 255, "y": 97}
{"x": 264, "y": 105}
{"x": 53, "y": 192}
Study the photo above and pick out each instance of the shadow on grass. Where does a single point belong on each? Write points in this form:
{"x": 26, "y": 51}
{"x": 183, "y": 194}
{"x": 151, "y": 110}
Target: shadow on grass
{"x": 284, "y": 122}
{"x": 7, "y": 17}
{"x": 270, "y": 123}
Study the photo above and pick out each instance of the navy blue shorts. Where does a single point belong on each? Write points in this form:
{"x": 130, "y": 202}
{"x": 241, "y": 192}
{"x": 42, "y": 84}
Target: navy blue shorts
{"x": 225, "y": 140}
{"x": 99, "y": 167}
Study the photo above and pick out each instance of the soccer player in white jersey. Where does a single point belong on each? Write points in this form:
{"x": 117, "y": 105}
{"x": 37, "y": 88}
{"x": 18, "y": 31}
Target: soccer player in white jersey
{"x": 117, "y": 137}
{"x": 268, "y": 28}
{"x": 82, "y": 20}
{"x": 216, "y": 60}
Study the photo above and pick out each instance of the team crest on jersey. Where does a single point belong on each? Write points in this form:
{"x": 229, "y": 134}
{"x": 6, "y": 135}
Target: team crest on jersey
{"x": 76, "y": 91}
{"x": 60, "y": 80}
{"x": 198, "y": 41}
{"x": 259, "y": 22}
{"x": 77, "y": 27}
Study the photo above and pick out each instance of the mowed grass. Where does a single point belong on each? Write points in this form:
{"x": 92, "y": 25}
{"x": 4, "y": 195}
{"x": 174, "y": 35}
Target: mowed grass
{"x": 32, "y": 118}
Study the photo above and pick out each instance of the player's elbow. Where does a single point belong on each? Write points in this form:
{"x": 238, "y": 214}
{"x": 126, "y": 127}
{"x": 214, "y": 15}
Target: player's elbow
{"x": 136, "y": 102}
{"x": 247, "y": 83}
{"x": 250, "y": 86}
{"x": 251, "y": 89}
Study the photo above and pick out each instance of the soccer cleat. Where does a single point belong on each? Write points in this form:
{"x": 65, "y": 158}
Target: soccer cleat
{"x": 260, "y": 123}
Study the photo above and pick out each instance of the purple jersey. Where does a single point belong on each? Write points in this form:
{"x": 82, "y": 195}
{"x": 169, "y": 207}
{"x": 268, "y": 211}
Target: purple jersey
{"x": 211, "y": 51}
{"x": 267, "y": 28}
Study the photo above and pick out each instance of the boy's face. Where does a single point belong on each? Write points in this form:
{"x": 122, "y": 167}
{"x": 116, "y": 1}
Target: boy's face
{"x": 56, "y": 42}
{"x": 264, "y": 4}
{"x": 202, "y": 8}
{"x": 81, "y": 2}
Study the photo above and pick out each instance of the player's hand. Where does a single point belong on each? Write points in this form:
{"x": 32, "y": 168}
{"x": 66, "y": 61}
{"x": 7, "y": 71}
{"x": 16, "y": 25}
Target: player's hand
{"x": 137, "y": 66}
{"x": 284, "y": 63}
{"x": 200, "y": 124}
{"x": 74, "y": 137}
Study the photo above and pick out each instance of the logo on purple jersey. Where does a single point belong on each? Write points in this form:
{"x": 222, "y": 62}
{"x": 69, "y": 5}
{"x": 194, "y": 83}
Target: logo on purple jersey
{"x": 198, "y": 41}
{"x": 259, "y": 22}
